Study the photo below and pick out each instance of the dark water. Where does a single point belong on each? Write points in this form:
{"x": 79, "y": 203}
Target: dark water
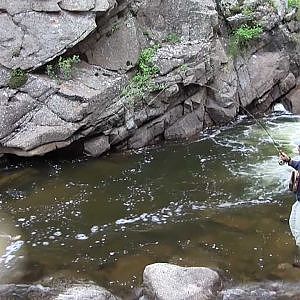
{"x": 220, "y": 202}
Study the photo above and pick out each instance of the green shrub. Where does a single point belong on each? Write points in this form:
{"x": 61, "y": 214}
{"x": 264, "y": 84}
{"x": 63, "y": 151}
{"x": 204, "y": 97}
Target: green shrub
{"x": 142, "y": 83}
{"x": 293, "y": 3}
{"x": 18, "y": 77}
{"x": 242, "y": 36}
{"x": 63, "y": 68}
{"x": 173, "y": 38}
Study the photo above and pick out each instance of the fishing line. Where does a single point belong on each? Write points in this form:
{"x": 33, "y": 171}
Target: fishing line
{"x": 275, "y": 144}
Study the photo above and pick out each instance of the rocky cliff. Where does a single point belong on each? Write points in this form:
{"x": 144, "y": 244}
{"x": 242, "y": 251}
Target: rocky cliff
{"x": 150, "y": 70}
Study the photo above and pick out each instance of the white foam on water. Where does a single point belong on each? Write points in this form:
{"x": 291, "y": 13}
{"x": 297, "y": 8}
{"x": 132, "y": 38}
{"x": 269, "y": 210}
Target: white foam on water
{"x": 261, "y": 164}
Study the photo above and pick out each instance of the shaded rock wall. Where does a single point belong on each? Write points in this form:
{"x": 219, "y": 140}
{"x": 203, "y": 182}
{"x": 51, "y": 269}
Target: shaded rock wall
{"x": 201, "y": 85}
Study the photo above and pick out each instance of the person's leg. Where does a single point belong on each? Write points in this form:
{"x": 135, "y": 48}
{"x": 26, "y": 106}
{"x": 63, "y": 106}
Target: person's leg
{"x": 294, "y": 222}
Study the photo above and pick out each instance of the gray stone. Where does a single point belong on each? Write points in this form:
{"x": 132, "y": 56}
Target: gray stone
{"x": 4, "y": 77}
{"x": 28, "y": 46}
{"x": 184, "y": 51}
{"x": 228, "y": 6}
{"x": 15, "y": 7}
{"x": 117, "y": 135}
{"x": 191, "y": 122}
{"x": 86, "y": 5}
{"x": 167, "y": 65}
{"x": 39, "y": 121}
{"x": 287, "y": 83}
{"x": 60, "y": 292}
{"x": 148, "y": 113}
{"x": 291, "y": 15}
{"x": 79, "y": 5}
{"x": 119, "y": 49}
{"x": 267, "y": 16}
{"x": 104, "y": 5}
{"x": 86, "y": 292}
{"x": 191, "y": 20}
{"x": 292, "y": 100}
{"x": 39, "y": 87}
{"x": 281, "y": 6}
{"x": 237, "y": 20}
{"x": 23, "y": 291}
{"x": 221, "y": 112}
{"x": 45, "y": 5}
{"x": 97, "y": 146}
{"x": 67, "y": 109}
{"x": 147, "y": 133}
{"x": 164, "y": 281}
{"x": 223, "y": 104}
{"x": 14, "y": 112}
{"x": 186, "y": 127}
{"x": 259, "y": 74}
{"x": 262, "y": 290}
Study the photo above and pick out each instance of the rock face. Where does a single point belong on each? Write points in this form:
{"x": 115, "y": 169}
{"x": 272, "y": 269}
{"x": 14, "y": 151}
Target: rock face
{"x": 198, "y": 83}
{"x": 164, "y": 281}
{"x": 28, "y": 116}
{"x": 34, "y": 32}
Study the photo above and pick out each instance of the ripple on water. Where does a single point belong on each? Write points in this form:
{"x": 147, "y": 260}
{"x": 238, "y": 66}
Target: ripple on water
{"x": 84, "y": 216}
{"x": 11, "y": 246}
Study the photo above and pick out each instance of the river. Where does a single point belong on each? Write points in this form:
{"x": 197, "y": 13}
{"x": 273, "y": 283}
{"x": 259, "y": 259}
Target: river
{"x": 220, "y": 202}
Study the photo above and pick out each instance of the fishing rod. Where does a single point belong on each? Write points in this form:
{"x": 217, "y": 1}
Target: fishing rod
{"x": 274, "y": 143}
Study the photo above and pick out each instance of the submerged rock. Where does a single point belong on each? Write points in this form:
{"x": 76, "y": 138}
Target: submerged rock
{"x": 262, "y": 291}
{"x": 86, "y": 292}
{"x": 74, "y": 292}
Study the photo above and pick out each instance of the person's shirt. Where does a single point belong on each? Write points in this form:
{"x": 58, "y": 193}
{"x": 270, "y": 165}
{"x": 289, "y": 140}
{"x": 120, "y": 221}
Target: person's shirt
{"x": 296, "y": 165}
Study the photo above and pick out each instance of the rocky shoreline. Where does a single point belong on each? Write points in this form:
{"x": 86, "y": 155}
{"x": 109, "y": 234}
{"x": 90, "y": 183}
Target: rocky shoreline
{"x": 193, "y": 82}
{"x": 161, "y": 281}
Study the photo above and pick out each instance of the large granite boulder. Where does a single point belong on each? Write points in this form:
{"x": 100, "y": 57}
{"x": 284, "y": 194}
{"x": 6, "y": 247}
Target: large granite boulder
{"x": 164, "y": 281}
{"x": 34, "y": 32}
{"x": 118, "y": 48}
{"x": 190, "y": 20}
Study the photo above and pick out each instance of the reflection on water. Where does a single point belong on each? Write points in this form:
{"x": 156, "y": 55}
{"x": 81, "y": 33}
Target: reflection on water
{"x": 11, "y": 254}
{"x": 219, "y": 202}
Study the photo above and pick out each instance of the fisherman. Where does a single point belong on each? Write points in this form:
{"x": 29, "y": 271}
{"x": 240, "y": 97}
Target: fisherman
{"x": 294, "y": 220}
{"x": 296, "y": 165}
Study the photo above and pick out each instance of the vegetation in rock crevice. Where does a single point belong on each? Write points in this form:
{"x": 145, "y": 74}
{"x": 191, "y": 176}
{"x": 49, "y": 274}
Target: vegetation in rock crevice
{"x": 172, "y": 38}
{"x": 242, "y": 36}
{"x": 293, "y": 4}
{"x": 18, "y": 78}
{"x": 142, "y": 82}
{"x": 63, "y": 68}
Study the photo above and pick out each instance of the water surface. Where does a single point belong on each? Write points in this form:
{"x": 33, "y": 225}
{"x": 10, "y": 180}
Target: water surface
{"x": 220, "y": 202}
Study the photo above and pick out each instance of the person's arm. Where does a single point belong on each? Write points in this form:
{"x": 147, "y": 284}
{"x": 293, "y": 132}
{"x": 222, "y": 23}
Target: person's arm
{"x": 294, "y": 164}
